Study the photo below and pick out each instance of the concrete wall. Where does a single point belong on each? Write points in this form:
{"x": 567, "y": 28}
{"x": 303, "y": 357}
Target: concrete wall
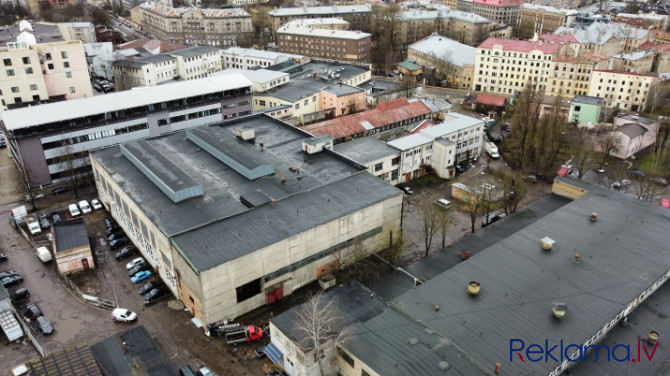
{"x": 56, "y": 78}
{"x": 71, "y": 260}
{"x": 566, "y": 190}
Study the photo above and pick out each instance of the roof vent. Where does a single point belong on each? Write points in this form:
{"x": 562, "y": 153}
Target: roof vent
{"x": 653, "y": 337}
{"x": 559, "y": 310}
{"x": 444, "y": 366}
{"x": 245, "y": 133}
{"x": 547, "y": 243}
{"x": 436, "y": 308}
{"x": 576, "y": 258}
{"x": 465, "y": 254}
{"x": 413, "y": 341}
{"x": 317, "y": 144}
{"x": 473, "y": 288}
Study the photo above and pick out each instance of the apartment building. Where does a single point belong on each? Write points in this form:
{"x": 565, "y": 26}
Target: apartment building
{"x": 251, "y": 58}
{"x": 82, "y": 31}
{"x": 662, "y": 59}
{"x": 638, "y": 61}
{"x": 449, "y": 60}
{"x": 358, "y": 16}
{"x": 262, "y": 80}
{"x": 38, "y": 6}
{"x": 624, "y": 90}
{"x": 655, "y": 21}
{"x": 339, "y": 45}
{"x": 46, "y": 140}
{"x": 213, "y": 27}
{"x": 540, "y": 19}
{"x": 571, "y": 75}
{"x": 37, "y": 72}
{"x": 505, "y": 66}
{"x": 607, "y": 38}
{"x": 467, "y": 28}
{"x": 499, "y": 12}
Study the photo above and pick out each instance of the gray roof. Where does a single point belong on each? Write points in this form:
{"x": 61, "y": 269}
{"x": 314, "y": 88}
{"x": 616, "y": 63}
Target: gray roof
{"x": 193, "y": 51}
{"x": 204, "y": 222}
{"x": 520, "y": 281}
{"x": 632, "y": 130}
{"x": 4, "y": 294}
{"x": 70, "y": 234}
{"x": 341, "y": 89}
{"x": 365, "y": 150}
{"x": 585, "y": 99}
{"x": 327, "y": 10}
{"x": 635, "y": 118}
{"x": 297, "y": 89}
{"x": 125, "y": 352}
{"x": 436, "y": 104}
{"x": 142, "y": 61}
{"x": 43, "y": 33}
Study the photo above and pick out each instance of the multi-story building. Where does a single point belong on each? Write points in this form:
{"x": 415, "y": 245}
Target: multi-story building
{"x": 638, "y": 61}
{"x": 47, "y": 140}
{"x": 467, "y": 28}
{"x": 499, "y": 12}
{"x": 231, "y": 194}
{"x": 37, "y": 6}
{"x": 570, "y": 75}
{"x": 262, "y": 80}
{"x": 506, "y": 66}
{"x": 540, "y": 19}
{"x": 662, "y": 58}
{"x": 82, "y": 31}
{"x": 213, "y": 27}
{"x": 585, "y": 110}
{"x": 358, "y": 16}
{"x": 449, "y": 60}
{"x": 607, "y": 38}
{"x": 184, "y": 64}
{"x": 656, "y": 21}
{"x": 36, "y": 72}
{"x": 251, "y": 58}
{"x": 339, "y": 45}
{"x": 624, "y": 90}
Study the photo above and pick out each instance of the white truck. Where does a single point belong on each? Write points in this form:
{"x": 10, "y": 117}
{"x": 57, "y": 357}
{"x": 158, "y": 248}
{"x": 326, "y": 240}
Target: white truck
{"x": 43, "y": 254}
{"x": 33, "y": 225}
{"x": 492, "y": 149}
{"x": 10, "y": 326}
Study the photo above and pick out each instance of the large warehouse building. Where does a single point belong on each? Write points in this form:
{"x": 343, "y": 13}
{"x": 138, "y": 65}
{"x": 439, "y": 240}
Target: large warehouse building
{"x": 240, "y": 214}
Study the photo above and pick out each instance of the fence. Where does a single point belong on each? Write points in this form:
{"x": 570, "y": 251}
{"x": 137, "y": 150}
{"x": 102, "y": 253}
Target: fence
{"x": 94, "y": 300}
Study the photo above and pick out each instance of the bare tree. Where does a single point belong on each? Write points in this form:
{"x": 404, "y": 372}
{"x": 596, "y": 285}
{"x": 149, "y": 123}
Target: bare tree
{"x": 514, "y": 188}
{"x": 519, "y": 146}
{"x": 473, "y": 200}
{"x": 644, "y": 189}
{"x": 443, "y": 222}
{"x": 351, "y": 260}
{"x": 322, "y": 331}
{"x": 393, "y": 246}
{"x": 605, "y": 143}
{"x": 429, "y": 217}
{"x": 581, "y": 148}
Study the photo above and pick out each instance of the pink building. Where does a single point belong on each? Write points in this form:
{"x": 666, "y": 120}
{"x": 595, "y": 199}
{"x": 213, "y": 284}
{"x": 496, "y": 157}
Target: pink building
{"x": 632, "y": 133}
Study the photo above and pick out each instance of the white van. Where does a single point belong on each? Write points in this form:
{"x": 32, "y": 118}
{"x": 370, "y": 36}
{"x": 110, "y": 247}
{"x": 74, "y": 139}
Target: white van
{"x": 43, "y": 254}
{"x": 444, "y": 203}
{"x": 74, "y": 210}
{"x": 85, "y": 208}
{"x": 33, "y": 225}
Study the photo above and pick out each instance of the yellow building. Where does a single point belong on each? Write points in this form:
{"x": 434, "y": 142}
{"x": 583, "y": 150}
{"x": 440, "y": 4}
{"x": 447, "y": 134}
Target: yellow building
{"x": 570, "y": 75}
{"x": 447, "y": 59}
{"x": 625, "y": 90}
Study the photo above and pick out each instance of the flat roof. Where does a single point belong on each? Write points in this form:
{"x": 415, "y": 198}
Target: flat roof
{"x": 519, "y": 280}
{"x": 585, "y": 99}
{"x": 261, "y": 54}
{"x": 296, "y": 29}
{"x": 342, "y": 89}
{"x": 43, "y": 33}
{"x": 258, "y": 75}
{"x": 70, "y": 234}
{"x": 193, "y": 51}
{"x": 302, "y": 11}
{"x": 366, "y": 150}
{"x": 453, "y": 122}
{"x": 410, "y": 141}
{"x": 58, "y": 111}
{"x": 297, "y": 89}
{"x": 329, "y": 183}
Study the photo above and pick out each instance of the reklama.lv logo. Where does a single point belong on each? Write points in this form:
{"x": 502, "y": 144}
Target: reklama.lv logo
{"x": 577, "y": 353}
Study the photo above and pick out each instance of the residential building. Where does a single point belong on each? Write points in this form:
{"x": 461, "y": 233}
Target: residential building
{"x": 631, "y": 134}
{"x": 607, "y": 38}
{"x": 81, "y": 31}
{"x": 251, "y": 58}
{"x": 36, "y": 7}
{"x": 570, "y": 75}
{"x": 662, "y": 58}
{"x": 42, "y": 31}
{"x": 96, "y": 57}
{"x": 386, "y": 116}
{"x": 380, "y": 159}
{"x": 446, "y": 59}
{"x": 467, "y": 28}
{"x": 505, "y": 66}
{"x": 509, "y": 258}
{"x": 41, "y": 138}
{"x": 262, "y": 80}
{"x": 329, "y": 23}
{"x": 499, "y": 12}
{"x": 201, "y": 214}
{"x": 213, "y": 27}
{"x": 585, "y": 110}
{"x": 639, "y": 62}
{"x": 656, "y": 21}
{"x": 540, "y": 19}
{"x": 152, "y": 46}
{"x": 339, "y": 45}
{"x": 39, "y": 72}
{"x": 72, "y": 249}
{"x": 627, "y": 91}
{"x": 358, "y": 16}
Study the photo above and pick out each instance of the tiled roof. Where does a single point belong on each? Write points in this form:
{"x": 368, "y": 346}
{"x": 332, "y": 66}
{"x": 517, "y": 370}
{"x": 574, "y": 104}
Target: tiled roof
{"x": 152, "y": 45}
{"x": 520, "y": 45}
{"x": 624, "y": 72}
{"x": 581, "y": 58}
{"x": 661, "y": 47}
{"x": 558, "y": 38}
{"x": 500, "y": 3}
{"x": 386, "y": 113}
{"x": 492, "y": 100}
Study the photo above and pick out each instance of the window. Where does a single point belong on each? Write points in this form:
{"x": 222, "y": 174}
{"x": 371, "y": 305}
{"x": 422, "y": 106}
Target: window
{"x": 577, "y": 108}
{"x": 71, "y": 89}
{"x": 68, "y": 74}
{"x": 66, "y": 64}
{"x": 7, "y": 62}
{"x": 29, "y": 70}
{"x": 378, "y": 166}
{"x": 10, "y": 72}
{"x": 48, "y": 56}
{"x": 26, "y": 60}
{"x": 262, "y": 103}
{"x": 15, "y": 89}
{"x": 63, "y": 54}
{"x": 50, "y": 66}
{"x": 346, "y": 358}
{"x": 33, "y": 87}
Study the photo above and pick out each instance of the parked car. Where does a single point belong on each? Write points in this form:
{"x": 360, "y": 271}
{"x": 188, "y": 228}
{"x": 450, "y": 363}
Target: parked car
{"x": 97, "y": 87}
{"x": 204, "y": 371}
{"x": 59, "y": 190}
{"x": 11, "y": 281}
{"x": 492, "y": 218}
{"x": 45, "y": 326}
{"x": 116, "y": 235}
{"x": 74, "y": 210}
{"x": 108, "y": 87}
{"x": 9, "y": 273}
{"x": 186, "y": 370}
{"x": 111, "y": 230}
{"x": 85, "y": 207}
{"x": 623, "y": 183}
{"x": 118, "y": 243}
{"x": 123, "y": 315}
{"x": 3, "y": 257}
{"x": 154, "y": 295}
{"x": 134, "y": 262}
{"x": 55, "y": 218}
{"x": 406, "y": 189}
{"x": 141, "y": 276}
{"x": 95, "y": 204}
{"x": 637, "y": 173}
{"x": 460, "y": 168}
{"x": 32, "y": 312}
{"x": 150, "y": 286}
{"x": 660, "y": 181}
{"x": 138, "y": 268}
{"x": 19, "y": 295}
{"x": 44, "y": 222}
{"x": 443, "y": 203}
{"x": 532, "y": 178}
{"x": 127, "y": 251}
{"x": 108, "y": 223}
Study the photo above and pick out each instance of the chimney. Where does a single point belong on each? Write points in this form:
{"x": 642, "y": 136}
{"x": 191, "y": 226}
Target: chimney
{"x": 473, "y": 288}
{"x": 547, "y": 243}
{"x": 593, "y": 217}
{"x": 559, "y": 310}
{"x": 653, "y": 337}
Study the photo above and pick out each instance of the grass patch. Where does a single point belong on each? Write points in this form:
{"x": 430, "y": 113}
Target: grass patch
{"x": 427, "y": 179}
{"x": 646, "y": 161}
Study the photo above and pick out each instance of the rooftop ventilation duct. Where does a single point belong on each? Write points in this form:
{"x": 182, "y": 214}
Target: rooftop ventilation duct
{"x": 547, "y": 243}
{"x": 246, "y": 133}
{"x": 317, "y": 144}
{"x": 559, "y": 310}
{"x": 473, "y": 288}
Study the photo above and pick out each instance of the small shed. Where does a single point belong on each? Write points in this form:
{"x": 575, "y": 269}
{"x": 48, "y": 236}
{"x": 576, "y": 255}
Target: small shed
{"x": 72, "y": 249}
{"x": 490, "y": 103}
{"x": 409, "y": 67}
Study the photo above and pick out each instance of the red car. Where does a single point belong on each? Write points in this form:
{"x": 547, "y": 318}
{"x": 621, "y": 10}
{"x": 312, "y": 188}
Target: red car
{"x": 665, "y": 203}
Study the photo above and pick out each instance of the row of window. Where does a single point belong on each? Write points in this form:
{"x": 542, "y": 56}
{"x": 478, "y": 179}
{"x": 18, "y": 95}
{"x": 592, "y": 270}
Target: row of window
{"x": 94, "y": 136}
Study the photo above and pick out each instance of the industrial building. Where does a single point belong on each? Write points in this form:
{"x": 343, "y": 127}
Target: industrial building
{"x": 235, "y": 215}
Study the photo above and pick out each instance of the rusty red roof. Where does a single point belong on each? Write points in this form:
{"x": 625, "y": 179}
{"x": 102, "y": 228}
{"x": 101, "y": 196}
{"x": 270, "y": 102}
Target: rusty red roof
{"x": 559, "y": 38}
{"x": 152, "y": 45}
{"x": 500, "y": 3}
{"x": 520, "y": 45}
{"x": 660, "y": 47}
{"x": 425, "y": 124}
{"x": 492, "y": 100}
{"x": 385, "y": 113}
